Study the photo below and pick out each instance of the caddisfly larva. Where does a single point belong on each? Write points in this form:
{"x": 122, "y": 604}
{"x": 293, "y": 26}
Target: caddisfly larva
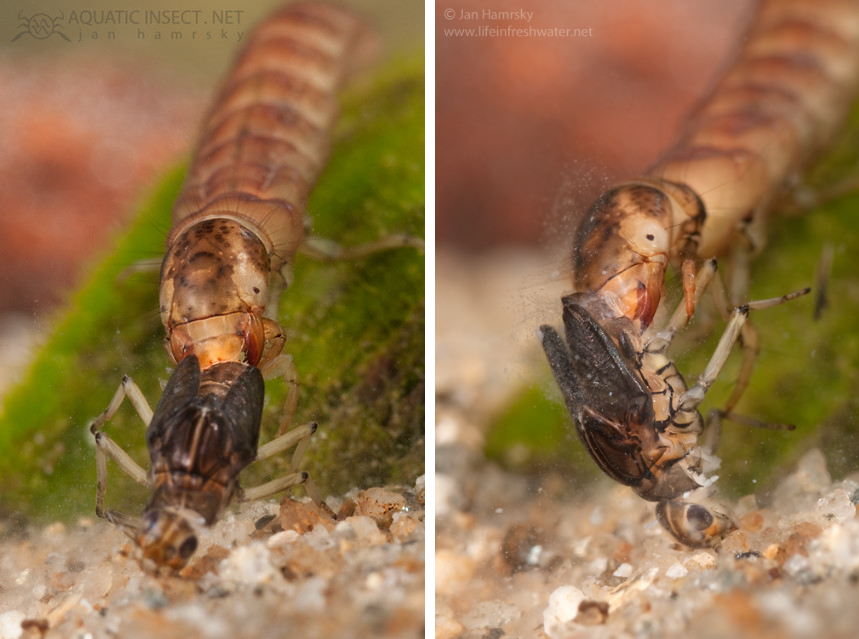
{"x": 708, "y": 197}
{"x": 237, "y": 226}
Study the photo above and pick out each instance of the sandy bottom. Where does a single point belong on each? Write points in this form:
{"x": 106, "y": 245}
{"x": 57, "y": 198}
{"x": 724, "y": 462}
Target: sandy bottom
{"x": 265, "y": 570}
{"x": 517, "y": 557}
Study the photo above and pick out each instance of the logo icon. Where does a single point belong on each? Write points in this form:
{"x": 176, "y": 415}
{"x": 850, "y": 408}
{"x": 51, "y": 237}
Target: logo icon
{"x": 41, "y": 26}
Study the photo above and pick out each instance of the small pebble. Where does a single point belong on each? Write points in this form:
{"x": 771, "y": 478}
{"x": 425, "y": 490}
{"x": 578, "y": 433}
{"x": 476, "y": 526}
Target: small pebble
{"x": 490, "y": 614}
{"x": 563, "y": 608}
{"x": 447, "y": 627}
{"x": 10, "y": 624}
{"x": 836, "y": 507}
{"x": 380, "y": 504}
{"x": 676, "y": 571}
{"x": 623, "y": 571}
{"x": 452, "y": 571}
{"x": 752, "y": 521}
{"x": 703, "y": 560}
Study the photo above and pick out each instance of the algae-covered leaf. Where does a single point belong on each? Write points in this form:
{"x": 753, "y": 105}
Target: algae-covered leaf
{"x": 355, "y": 330}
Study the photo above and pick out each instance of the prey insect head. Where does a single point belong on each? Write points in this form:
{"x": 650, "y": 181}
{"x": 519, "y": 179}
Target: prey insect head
{"x": 692, "y": 524}
{"x": 167, "y": 538}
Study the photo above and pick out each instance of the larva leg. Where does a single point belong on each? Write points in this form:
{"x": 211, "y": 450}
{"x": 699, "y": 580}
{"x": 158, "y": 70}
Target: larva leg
{"x": 712, "y": 435}
{"x": 274, "y": 364}
{"x": 321, "y": 248}
{"x": 717, "y": 291}
{"x": 748, "y": 338}
{"x": 279, "y": 281}
{"x": 149, "y": 265}
{"x": 821, "y": 279}
{"x": 275, "y": 340}
{"x": 282, "y": 366}
{"x": 300, "y": 438}
{"x": 689, "y": 287}
{"x": 701, "y": 280}
{"x": 713, "y": 428}
{"x": 802, "y": 199}
{"x": 659, "y": 343}
{"x": 751, "y": 347}
{"x": 691, "y": 399}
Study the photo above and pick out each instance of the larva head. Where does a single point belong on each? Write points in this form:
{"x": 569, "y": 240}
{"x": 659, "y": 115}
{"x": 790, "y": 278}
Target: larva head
{"x": 622, "y": 250}
{"x": 693, "y": 524}
{"x": 214, "y": 287}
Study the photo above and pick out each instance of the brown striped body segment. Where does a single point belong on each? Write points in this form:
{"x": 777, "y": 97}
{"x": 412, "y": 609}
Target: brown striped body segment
{"x": 241, "y": 213}
{"x": 770, "y": 115}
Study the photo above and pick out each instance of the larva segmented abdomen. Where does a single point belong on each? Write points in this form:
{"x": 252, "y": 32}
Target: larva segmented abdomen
{"x": 266, "y": 139}
{"x": 773, "y": 111}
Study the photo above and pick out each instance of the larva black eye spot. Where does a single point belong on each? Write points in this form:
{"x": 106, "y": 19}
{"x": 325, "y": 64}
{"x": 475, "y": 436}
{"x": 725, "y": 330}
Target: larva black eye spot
{"x": 649, "y": 236}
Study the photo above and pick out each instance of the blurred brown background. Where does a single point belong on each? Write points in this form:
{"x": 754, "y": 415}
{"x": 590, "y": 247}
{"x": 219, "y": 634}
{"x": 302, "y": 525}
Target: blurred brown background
{"x": 530, "y": 129}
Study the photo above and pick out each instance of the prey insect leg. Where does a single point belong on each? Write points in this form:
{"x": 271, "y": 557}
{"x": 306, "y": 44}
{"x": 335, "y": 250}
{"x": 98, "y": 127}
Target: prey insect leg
{"x": 713, "y": 428}
{"x": 300, "y": 438}
{"x": 692, "y": 398}
{"x": 283, "y": 366}
{"x": 106, "y": 447}
{"x": 321, "y": 248}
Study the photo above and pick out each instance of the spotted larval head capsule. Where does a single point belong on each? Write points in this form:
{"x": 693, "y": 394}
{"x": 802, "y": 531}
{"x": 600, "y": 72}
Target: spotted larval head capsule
{"x": 629, "y": 235}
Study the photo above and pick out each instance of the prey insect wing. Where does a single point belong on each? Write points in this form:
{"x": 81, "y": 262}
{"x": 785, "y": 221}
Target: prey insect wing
{"x": 606, "y": 398}
{"x": 204, "y": 440}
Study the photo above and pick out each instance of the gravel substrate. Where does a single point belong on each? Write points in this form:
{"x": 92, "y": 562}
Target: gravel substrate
{"x": 265, "y": 570}
{"x": 513, "y": 559}
{"x": 518, "y": 556}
